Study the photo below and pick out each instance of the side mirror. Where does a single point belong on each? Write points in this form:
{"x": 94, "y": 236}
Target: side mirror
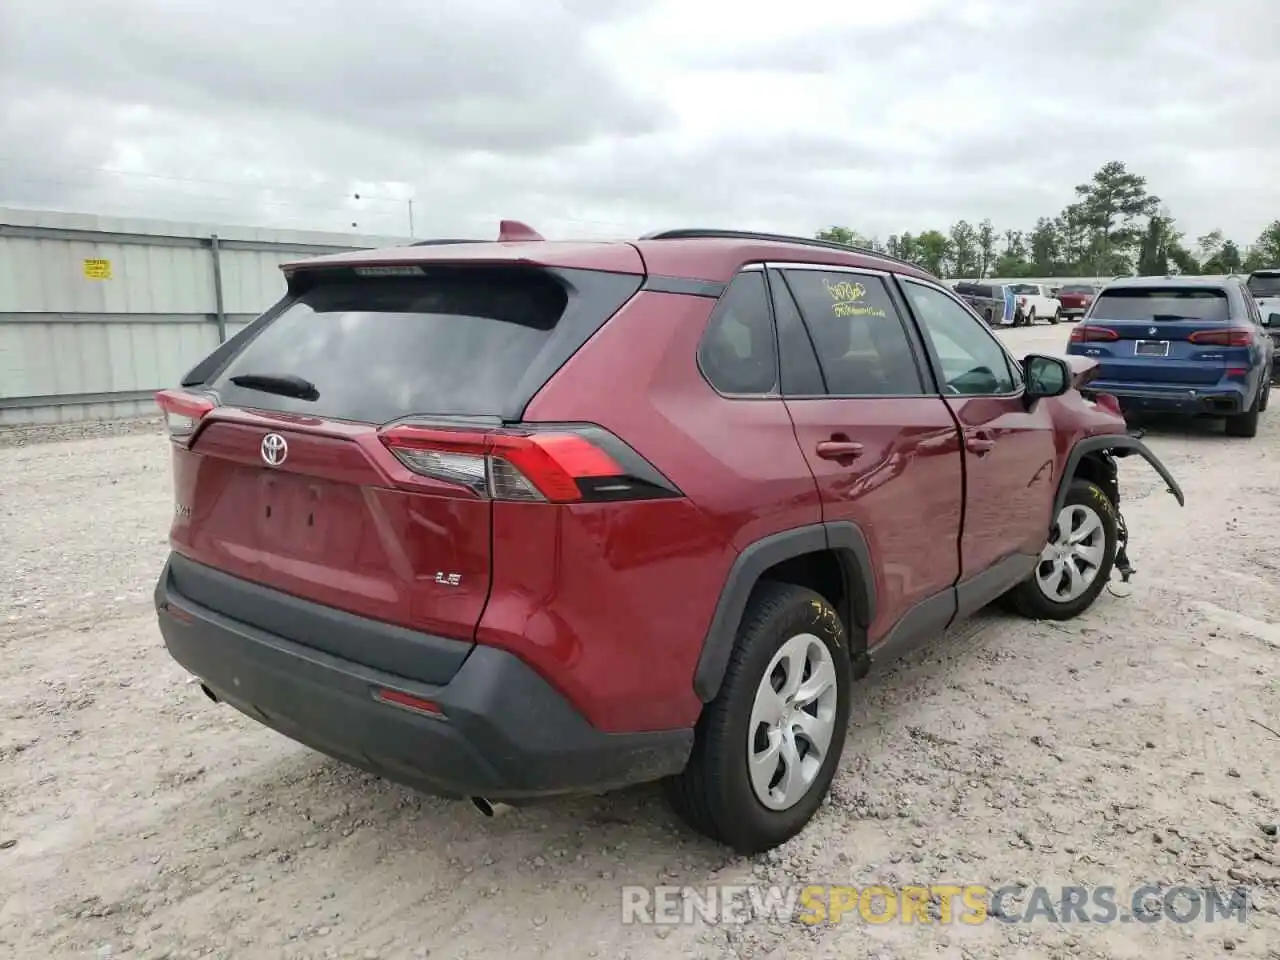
{"x": 1273, "y": 320}
{"x": 1045, "y": 376}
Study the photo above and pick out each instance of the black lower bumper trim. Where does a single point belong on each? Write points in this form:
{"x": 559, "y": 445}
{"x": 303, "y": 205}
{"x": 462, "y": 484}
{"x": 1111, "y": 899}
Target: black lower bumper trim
{"x": 506, "y": 733}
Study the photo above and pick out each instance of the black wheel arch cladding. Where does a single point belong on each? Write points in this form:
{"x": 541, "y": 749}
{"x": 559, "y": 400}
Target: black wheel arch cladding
{"x": 1115, "y": 445}
{"x": 842, "y": 538}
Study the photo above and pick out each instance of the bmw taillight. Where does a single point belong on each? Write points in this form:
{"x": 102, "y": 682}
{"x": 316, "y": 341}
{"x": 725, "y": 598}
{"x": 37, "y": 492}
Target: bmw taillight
{"x": 1088, "y": 333}
{"x": 564, "y": 464}
{"x": 1230, "y": 337}
{"x": 183, "y": 412}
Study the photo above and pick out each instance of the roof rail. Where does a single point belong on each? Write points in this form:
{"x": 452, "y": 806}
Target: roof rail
{"x": 694, "y": 233}
{"x": 440, "y": 242}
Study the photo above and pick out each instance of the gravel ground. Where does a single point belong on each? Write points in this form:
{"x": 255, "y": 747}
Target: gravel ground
{"x": 1126, "y": 748}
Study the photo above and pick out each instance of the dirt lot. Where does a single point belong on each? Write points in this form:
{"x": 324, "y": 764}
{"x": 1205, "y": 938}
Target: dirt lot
{"x": 1130, "y": 747}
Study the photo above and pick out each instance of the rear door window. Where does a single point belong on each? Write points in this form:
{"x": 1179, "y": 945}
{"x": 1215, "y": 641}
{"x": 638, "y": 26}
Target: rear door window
{"x": 798, "y": 363}
{"x": 1151, "y": 304}
{"x": 454, "y": 341}
{"x": 857, "y": 333}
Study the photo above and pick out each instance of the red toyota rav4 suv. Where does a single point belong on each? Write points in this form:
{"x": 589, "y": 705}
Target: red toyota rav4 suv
{"x": 516, "y": 519}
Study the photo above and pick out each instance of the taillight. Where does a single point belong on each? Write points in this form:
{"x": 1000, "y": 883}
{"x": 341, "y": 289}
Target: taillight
{"x": 183, "y": 412}
{"x": 1087, "y": 333}
{"x": 549, "y": 465}
{"x": 1232, "y": 337}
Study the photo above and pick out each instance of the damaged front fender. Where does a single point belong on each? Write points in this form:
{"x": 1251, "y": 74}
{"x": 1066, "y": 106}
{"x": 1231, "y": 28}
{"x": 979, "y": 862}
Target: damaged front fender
{"x": 1117, "y": 445}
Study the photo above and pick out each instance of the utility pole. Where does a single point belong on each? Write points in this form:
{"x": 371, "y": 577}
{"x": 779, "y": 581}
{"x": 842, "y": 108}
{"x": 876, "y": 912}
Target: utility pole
{"x": 411, "y": 220}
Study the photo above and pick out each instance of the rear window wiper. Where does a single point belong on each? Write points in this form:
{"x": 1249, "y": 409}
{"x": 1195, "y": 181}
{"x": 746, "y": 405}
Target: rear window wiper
{"x": 285, "y": 384}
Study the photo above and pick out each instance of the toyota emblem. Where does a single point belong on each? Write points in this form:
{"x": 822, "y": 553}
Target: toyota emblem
{"x": 274, "y": 449}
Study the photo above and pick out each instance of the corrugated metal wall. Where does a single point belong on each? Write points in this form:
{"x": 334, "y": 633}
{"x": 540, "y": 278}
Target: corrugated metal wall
{"x": 98, "y": 313}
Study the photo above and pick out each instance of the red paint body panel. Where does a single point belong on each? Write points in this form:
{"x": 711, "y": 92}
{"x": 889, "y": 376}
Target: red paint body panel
{"x": 341, "y": 522}
{"x": 737, "y": 461}
{"x": 1010, "y": 488}
{"x": 905, "y": 492}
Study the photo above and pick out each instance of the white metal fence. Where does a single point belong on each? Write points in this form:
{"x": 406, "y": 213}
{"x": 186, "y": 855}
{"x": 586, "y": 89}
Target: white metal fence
{"x": 98, "y": 313}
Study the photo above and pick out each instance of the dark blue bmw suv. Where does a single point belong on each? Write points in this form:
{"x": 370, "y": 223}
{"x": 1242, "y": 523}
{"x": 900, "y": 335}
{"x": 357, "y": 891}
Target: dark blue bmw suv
{"x": 1192, "y": 345}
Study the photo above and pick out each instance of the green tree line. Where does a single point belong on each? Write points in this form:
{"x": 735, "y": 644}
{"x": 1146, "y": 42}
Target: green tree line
{"x": 1114, "y": 227}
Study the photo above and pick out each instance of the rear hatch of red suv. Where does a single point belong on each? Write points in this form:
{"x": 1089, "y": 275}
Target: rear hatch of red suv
{"x": 345, "y": 448}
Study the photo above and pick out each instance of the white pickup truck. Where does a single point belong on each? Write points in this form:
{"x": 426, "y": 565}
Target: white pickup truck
{"x": 1035, "y": 301}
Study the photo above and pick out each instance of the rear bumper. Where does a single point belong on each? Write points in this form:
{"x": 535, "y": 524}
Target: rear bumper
{"x": 504, "y": 733}
{"x": 1171, "y": 398}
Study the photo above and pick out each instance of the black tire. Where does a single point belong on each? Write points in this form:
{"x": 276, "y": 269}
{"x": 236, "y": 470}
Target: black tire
{"x": 1031, "y": 317}
{"x": 714, "y": 794}
{"x": 1266, "y": 393}
{"x": 1028, "y": 599}
{"x": 1056, "y": 318}
{"x": 1246, "y": 424}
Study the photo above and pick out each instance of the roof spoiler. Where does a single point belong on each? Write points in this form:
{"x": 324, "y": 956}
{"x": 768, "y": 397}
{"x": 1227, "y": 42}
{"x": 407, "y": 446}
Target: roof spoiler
{"x": 509, "y": 231}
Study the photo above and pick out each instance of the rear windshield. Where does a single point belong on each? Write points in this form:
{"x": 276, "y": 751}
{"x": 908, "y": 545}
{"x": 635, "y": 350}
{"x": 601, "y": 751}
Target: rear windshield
{"x": 1026, "y": 288}
{"x": 974, "y": 290}
{"x": 1162, "y": 303}
{"x": 454, "y": 342}
{"x": 1265, "y": 285}
{"x": 1077, "y": 288}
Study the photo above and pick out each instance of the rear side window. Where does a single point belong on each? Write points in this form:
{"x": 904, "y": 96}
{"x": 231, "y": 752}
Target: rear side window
{"x": 455, "y": 341}
{"x": 798, "y": 364}
{"x": 738, "y": 355}
{"x": 1147, "y": 304}
{"x": 857, "y": 334}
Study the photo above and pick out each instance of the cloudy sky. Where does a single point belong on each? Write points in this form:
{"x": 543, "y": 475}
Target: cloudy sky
{"x": 614, "y": 117}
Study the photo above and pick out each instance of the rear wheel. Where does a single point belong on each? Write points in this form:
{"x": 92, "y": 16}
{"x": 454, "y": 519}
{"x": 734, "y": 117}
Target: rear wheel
{"x": 768, "y": 745}
{"x": 1266, "y": 393}
{"x": 1246, "y": 424}
{"x": 1031, "y": 317}
{"x": 1076, "y": 562}
{"x": 1057, "y": 316}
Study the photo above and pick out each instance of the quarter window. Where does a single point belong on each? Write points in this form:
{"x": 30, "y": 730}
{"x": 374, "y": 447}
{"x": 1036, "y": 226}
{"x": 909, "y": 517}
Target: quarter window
{"x": 857, "y": 333}
{"x": 738, "y": 355}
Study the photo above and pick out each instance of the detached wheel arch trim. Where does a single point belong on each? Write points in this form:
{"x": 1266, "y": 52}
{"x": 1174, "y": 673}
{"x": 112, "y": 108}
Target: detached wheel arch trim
{"x": 1118, "y": 445}
{"x": 844, "y": 538}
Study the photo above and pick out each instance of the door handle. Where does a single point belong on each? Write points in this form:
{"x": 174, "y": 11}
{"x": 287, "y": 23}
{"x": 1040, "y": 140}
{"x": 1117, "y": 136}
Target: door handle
{"x": 979, "y": 442}
{"x": 839, "y": 449}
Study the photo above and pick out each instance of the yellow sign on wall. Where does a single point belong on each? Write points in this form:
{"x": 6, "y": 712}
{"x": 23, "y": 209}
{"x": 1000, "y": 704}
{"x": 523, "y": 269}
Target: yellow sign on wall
{"x": 97, "y": 269}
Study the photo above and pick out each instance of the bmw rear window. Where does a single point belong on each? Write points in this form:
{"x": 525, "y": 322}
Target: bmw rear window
{"x": 1146, "y": 304}
{"x": 457, "y": 341}
{"x": 1265, "y": 285}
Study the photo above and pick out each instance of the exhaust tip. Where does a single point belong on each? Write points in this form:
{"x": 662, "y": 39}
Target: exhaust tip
{"x": 488, "y": 808}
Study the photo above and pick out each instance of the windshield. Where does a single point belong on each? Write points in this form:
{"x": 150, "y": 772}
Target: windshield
{"x": 1265, "y": 284}
{"x": 974, "y": 290}
{"x": 1145, "y": 304}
